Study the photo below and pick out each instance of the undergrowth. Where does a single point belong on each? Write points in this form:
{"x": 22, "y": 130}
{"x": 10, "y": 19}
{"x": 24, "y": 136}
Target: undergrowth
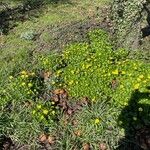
{"x": 94, "y": 70}
{"x": 91, "y": 69}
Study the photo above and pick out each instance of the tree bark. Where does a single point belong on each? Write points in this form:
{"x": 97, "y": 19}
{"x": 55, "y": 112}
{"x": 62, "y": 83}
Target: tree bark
{"x": 127, "y": 19}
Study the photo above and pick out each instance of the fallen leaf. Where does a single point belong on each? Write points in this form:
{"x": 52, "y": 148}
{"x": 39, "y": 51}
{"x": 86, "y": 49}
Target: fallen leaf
{"x": 57, "y": 91}
{"x": 84, "y": 102}
{"x": 28, "y": 103}
{"x": 63, "y": 105}
{"x": 77, "y": 132}
{"x": 114, "y": 84}
{"x": 75, "y": 122}
{"x": 55, "y": 98}
{"x": 62, "y": 91}
{"x": 70, "y": 111}
{"x": 51, "y": 140}
{"x": 47, "y": 75}
{"x": 43, "y": 138}
{"x": 102, "y": 146}
{"x": 86, "y": 146}
{"x": 63, "y": 95}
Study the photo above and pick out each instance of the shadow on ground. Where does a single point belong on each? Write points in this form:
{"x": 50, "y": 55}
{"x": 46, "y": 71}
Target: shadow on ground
{"x": 29, "y": 8}
{"x": 135, "y": 119}
{"x": 146, "y": 30}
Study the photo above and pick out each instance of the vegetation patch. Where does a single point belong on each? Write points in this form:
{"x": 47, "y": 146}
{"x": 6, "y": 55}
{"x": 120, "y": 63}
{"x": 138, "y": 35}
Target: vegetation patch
{"x": 90, "y": 95}
{"x": 95, "y": 68}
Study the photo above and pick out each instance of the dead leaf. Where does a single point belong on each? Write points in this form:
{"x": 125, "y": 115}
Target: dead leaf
{"x": 55, "y": 98}
{"x": 63, "y": 105}
{"x": 102, "y": 146}
{"x": 85, "y": 101}
{"x": 28, "y": 104}
{"x": 70, "y": 111}
{"x": 86, "y": 146}
{"x": 114, "y": 84}
{"x": 63, "y": 95}
{"x": 43, "y": 138}
{"x": 62, "y": 91}
{"x": 77, "y": 132}
{"x": 57, "y": 91}
{"x": 45, "y": 75}
{"x": 75, "y": 122}
{"x": 51, "y": 140}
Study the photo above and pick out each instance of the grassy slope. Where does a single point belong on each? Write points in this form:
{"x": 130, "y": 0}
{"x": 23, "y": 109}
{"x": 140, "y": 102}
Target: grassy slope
{"x": 15, "y": 56}
{"x": 100, "y": 119}
{"x": 13, "y": 45}
{"x": 15, "y": 51}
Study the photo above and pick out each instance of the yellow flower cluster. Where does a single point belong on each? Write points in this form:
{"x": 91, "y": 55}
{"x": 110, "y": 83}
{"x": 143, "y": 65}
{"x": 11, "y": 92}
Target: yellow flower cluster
{"x": 97, "y": 121}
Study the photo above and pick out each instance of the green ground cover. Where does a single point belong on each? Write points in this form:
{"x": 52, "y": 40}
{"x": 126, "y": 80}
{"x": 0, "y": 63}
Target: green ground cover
{"x": 88, "y": 95}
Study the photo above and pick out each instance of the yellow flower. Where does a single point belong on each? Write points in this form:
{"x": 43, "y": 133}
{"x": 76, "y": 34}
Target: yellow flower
{"x": 123, "y": 72}
{"x": 29, "y": 92}
{"x": 4, "y": 91}
{"x": 59, "y": 71}
{"x": 26, "y": 76}
{"x": 45, "y": 111}
{"x": 141, "y": 76}
{"x": 53, "y": 82}
{"x": 121, "y": 86}
{"x": 115, "y": 72}
{"x": 42, "y": 117}
{"x": 71, "y": 82}
{"x": 130, "y": 74}
{"x": 53, "y": 103}
{"x": 53, "y": 112}
{"x": 23, "y": 83}
{"x": 23, "y": 72}
{"x": 33, "y": 112}
{"x": 77, "y": 82}
{"x": 83, "y": 66}
{"x": 10, "y": 77}
{"x": 22, "y": 76}
{"x": 32, "y": 73}
{"x": 72, "y": 71}
{"x": 39, "y": 106}
{"x": 136, "y": 86}
{"x": 88, "y": 66}
{"x": 30, "y": 84}
{"x": 97, "y": 121}
{"x": 125, "y": 103}
{"x": 93, "y": 99}
{"x": 138, "y": 79}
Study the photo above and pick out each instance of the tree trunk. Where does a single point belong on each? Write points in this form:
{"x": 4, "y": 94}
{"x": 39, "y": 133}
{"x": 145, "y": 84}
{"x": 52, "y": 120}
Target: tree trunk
{"x": 127, "y": 19}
